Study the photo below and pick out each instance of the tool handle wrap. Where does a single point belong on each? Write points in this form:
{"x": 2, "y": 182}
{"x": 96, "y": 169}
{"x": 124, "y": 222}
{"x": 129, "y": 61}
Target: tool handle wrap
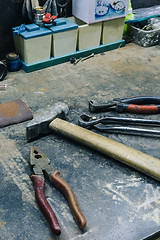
{"x": 46, "y": 209}
{"x": 144, "y": 109}
{"x": 67, "y": 191}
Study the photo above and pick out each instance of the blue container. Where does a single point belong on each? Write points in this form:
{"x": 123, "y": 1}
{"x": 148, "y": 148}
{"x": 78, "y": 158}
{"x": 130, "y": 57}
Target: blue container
{"x": 13, "y": 62}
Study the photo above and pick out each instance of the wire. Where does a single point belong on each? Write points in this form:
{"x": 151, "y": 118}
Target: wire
{"x": 63, "y": 5}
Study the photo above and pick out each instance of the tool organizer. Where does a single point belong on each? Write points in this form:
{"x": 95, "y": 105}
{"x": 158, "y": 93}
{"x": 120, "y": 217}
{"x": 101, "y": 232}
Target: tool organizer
{"x": 41, "y": 47}
{"x": 66, "y": 58}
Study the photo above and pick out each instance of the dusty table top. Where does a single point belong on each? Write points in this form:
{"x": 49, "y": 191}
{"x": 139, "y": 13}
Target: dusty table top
{"x": 117, "y": 201}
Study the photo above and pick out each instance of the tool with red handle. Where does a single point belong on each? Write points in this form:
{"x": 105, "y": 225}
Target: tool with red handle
{"x": 133, "y": 108}
{"x": 41, "y": 164}
{"x": 142, "y": 105}
{"x": 39, "y": 184}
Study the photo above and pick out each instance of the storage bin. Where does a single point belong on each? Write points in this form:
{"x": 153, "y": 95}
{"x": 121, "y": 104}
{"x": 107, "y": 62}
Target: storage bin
{"x": 91, "y": 11}
{"x": 89, "y": 35}
{"x": 145, "y": 38}
{"x": 64, "y": 37}
{"x": 33, "y": 44}
{"x": 112, "y": 31}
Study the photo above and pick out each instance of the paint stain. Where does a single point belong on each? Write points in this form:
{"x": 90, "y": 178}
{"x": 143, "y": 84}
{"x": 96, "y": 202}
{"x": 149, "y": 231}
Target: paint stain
{"x": 3, "y": 223}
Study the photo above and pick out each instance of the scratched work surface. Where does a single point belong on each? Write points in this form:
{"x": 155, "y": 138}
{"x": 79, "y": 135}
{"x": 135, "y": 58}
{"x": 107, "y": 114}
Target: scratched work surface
{"x": 117, "y": 201}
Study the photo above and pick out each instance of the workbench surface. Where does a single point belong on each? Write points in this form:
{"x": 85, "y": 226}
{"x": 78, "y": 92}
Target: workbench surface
{"x": 117, "y": 201}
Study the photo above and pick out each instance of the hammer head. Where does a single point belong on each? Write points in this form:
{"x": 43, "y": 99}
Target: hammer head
{"x": 42, "y": 118}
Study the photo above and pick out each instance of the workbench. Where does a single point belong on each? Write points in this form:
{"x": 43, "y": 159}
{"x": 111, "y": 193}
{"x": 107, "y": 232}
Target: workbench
{"x": 117, "y": 201}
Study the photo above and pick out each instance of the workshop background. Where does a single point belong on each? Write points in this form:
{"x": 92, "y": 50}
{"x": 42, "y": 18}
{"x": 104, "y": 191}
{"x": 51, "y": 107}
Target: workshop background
{"x": 11, "y": 16}
{"x": 118, "y": 201}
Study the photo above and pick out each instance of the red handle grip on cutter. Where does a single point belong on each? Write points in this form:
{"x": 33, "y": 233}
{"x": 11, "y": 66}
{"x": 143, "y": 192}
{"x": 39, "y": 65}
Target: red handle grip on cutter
{"x": 143, "y": 109}
{"x": 46, "y": 209}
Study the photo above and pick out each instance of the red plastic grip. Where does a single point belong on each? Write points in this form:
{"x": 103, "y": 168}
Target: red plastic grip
{"x": 146, "y": 109}
{"x": 46, "y": 209}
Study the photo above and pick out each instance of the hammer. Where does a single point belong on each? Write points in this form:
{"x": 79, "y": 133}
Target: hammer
{"x": 46, "y": 121}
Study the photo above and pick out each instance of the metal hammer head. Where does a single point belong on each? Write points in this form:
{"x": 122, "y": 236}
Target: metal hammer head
{"x": 42, "y": 118}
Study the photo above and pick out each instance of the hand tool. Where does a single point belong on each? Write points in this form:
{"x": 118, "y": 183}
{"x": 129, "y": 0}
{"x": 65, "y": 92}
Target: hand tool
{"x": 41, "y": 164}
{"x": 127, "y": 130}
{"x": 85, "y": 58}
{"x": 144, "y": 105}
{"x": 75, "y": 61}
{"x": 88, "y": 121}
{"x": 99, "y": 123}
{"x": 42, "y": 124}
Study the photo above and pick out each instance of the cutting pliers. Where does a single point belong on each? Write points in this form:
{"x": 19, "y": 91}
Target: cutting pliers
{"x": 41, "y": 165}
{"x": 141, "y": 104}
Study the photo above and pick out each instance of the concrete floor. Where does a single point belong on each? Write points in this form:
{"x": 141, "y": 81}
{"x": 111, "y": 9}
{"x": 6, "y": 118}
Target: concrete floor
{"x": 118, "y": 202}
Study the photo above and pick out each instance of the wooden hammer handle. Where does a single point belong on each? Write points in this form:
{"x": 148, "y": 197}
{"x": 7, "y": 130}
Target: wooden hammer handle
{"x": 130, "y": 156}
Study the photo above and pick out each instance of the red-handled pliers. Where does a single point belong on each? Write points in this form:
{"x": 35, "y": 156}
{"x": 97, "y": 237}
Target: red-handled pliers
{"x": 41, "y": 164}
{"x": 143, "y": 105}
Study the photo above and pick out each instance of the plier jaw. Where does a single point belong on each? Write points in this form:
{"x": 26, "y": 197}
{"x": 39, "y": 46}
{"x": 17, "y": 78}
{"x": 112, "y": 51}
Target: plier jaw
{"x": 40, "y": 162}
{"x": 102, "y": 106}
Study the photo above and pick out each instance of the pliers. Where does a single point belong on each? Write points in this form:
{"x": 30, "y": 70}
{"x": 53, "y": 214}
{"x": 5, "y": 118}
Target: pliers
{"x": 107, "y": 124}
{"x": 41, "y": 165}
{"x": 141, "y": 104}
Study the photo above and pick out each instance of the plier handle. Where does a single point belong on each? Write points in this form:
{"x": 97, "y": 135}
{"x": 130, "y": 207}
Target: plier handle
{"x": 41, "y": 164}
{"x": 141, "y": 104}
